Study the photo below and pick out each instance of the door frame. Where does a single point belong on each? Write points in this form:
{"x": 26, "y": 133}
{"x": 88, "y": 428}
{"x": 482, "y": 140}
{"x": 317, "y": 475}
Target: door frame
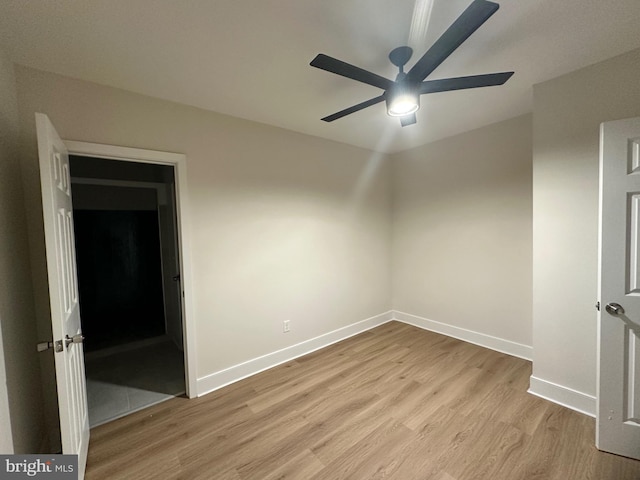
{"x": 179, "y": 163}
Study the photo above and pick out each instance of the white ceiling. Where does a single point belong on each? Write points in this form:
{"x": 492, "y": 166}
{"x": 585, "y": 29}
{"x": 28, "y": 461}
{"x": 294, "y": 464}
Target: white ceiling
{"x": 251, "y": 58}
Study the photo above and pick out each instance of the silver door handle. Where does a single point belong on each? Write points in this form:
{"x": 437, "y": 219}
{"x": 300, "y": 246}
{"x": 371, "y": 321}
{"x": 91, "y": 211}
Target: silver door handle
{"x": 75, "y": 339}
{"x": 614, "y": 309}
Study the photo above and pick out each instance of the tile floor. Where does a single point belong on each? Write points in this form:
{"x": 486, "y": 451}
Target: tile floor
{"x": 125, "y": 382}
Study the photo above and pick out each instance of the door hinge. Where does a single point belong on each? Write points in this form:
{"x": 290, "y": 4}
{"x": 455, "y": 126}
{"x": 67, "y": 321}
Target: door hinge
{"x": 598, "y": 306}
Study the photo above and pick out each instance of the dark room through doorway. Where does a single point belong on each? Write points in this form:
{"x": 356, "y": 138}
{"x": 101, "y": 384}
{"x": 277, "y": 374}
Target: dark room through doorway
{"x": 129, "y": 286}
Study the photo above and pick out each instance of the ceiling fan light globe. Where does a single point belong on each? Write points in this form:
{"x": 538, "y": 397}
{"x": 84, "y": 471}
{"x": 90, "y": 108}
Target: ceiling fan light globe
{"x": 401, "y": 105}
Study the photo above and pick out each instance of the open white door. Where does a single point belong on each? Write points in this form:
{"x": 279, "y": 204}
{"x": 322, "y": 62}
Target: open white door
{"x": 63, "y": 291}
{"x": 618, "y": 411}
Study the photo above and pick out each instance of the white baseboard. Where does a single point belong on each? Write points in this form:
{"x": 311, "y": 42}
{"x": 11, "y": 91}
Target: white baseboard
{"x": 230, "y": 375}
{"x": 494, "y": 343}
{"x": 243, "y": 370}
{"x": 565, "y": 396}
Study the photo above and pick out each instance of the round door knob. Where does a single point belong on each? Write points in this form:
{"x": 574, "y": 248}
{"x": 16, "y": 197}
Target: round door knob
{"x": 75, "y": 339}
{"x": 614, "y": 309}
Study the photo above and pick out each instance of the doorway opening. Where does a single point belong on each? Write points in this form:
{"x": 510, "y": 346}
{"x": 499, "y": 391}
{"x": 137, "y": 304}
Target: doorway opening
{"x": 128, "y": 263}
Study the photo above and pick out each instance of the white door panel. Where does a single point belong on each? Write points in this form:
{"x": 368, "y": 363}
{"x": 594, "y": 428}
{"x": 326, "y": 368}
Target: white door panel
{"x": 63, "y": 291}
{"x": 618, "y": 412}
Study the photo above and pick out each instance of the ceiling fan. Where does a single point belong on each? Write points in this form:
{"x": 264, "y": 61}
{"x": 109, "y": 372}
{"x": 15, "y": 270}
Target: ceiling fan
{"x": 402, "y": 96}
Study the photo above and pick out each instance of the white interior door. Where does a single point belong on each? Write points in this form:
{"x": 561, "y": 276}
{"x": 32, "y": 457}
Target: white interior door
{"x": 63, "y": 291}
{"x": 618, "y": 411}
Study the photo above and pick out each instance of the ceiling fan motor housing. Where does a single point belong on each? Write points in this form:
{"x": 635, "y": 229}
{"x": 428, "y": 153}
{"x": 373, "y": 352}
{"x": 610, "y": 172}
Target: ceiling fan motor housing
{"x": 403, "y": 98}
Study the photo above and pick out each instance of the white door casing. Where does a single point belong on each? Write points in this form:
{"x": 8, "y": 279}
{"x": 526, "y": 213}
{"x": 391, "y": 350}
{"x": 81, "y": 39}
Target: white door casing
{"x": 57, "y": 208}
{"x": 178, "y": 161}
{"x": 618, "y": 398}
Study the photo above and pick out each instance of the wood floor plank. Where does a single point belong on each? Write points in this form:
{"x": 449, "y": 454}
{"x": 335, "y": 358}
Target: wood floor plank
{"x": 303, "y": 465}
{"x": 368, "y": 458}
{"x": 487, "y": 455}
{"x": 335, "y": 443}
{"x": 395, "y": 402}
{"x": 325, "y": 374}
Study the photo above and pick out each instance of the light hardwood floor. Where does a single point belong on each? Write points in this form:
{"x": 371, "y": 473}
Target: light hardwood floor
{"x": 394, "y": 403}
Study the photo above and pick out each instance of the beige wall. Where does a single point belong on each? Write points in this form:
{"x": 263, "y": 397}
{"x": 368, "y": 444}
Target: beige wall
{"x": 20, "y": 390}
{"x": 462, "y": 233}
{"x": 567, "y": 113}
{"x": 284, "y": 226}
{"x": 6, "y": 439}
{"x": 8, "y": 143}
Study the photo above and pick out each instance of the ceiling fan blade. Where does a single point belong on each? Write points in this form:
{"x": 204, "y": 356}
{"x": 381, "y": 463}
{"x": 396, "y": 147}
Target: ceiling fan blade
{"x": 355, "y": 108}
{"x": 471, "y": 19}
{"x": 461, "y": 83}
{"x": 408, "y": 119}
{"x": 339, "y": 67}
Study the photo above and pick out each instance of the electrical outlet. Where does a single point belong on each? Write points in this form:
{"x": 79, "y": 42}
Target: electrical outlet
{"x": 285, "y": 326}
